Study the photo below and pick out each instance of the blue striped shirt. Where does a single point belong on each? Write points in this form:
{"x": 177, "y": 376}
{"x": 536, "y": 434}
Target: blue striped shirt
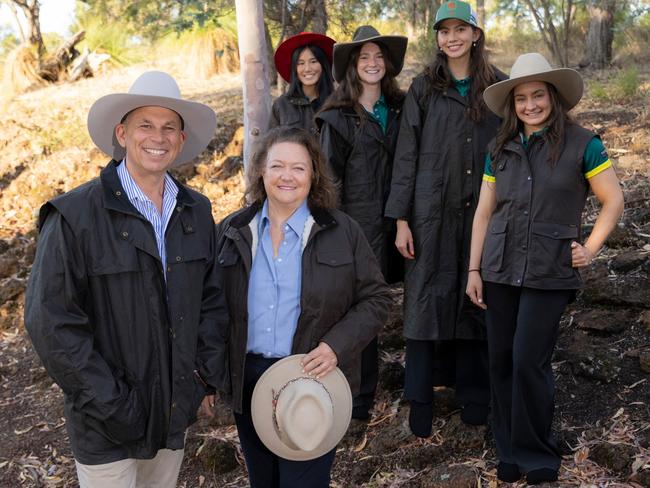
{"x": 274, "y": 286}
{"x": 148, "y": 209}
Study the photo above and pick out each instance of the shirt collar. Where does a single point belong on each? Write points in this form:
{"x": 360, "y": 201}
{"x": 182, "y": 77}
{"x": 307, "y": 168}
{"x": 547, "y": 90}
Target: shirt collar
{"x": 381, "y": 101}
{"x": 133, "y": 191}
{"x": 296, "y": 221}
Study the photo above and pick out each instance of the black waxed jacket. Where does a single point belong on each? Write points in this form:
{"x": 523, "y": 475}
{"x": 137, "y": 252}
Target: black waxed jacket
{"x": 293, "y": 112}
{"x": 360, "y": 156}
{"x": 435, "y": 186}
{"x": 122, "y": 344}
{"x": 538, "y": 213}
{"x": 344, "y": 300}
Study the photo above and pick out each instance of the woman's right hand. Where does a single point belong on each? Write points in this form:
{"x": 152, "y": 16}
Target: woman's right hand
{"x": 474, "y": 289}
{"x": 404, "y": 240}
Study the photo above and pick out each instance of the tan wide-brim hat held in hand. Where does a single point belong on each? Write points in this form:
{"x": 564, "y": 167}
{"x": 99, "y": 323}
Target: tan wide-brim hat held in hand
{"x": 297, "y": 416}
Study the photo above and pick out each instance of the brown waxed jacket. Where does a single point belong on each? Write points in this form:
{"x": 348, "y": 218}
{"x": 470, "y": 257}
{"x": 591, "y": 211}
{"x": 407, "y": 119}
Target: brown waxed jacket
{"x": 344, "y": 299}
{"x": 125, "y": 344}
{"x": 293, "y": 112}
{"x": 435, "y": 185}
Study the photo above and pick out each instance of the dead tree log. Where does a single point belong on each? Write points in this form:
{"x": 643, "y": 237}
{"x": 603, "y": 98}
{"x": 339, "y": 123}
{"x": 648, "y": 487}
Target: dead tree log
{"x": 54, "y": 68}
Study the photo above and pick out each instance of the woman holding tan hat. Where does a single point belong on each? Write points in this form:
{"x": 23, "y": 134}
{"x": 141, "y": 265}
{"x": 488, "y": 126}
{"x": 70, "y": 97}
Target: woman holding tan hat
{"x": 359, "y": 125}
{"x": 434, "y": 192}
{"x": 527, "y": 247}
{"x": 304, "y": 61}
{"x": 300, "y": 278}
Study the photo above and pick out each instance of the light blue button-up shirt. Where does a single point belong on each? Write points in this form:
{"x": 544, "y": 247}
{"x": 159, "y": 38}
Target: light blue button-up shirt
{"x": 148, "y": 209}
{"x": 274, "y": 286}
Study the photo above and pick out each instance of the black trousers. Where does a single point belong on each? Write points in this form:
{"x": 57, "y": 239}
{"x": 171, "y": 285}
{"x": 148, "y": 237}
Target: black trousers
{"x": 364, "y": 401}
{"x": 522, "y": 326}
{"x": 265, "y": 469}
{"x": 462, "y": 364}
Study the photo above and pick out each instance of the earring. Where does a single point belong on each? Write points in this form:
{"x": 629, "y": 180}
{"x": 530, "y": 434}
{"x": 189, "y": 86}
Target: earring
{"x": 474, "y": 44}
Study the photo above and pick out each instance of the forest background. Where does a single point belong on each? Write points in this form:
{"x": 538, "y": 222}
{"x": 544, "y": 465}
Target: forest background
{"x": 602, "y": 362}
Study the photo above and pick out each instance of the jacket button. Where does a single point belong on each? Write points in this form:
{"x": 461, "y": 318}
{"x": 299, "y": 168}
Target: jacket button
{"x": 469, "y": 139}
{"x": 525, "y": 212}
{"x": 179, "y": 259}
{"x": 169, "y": 268}
{"x": 221, "y": 261}
{"x": 178, "y": 209}
{"x": 125, "y": 235}
{"x": 189, "y": 228}
{"x": 529, "y": 178}
{"x": 181, "y": 318}
{"x": 524, "y": 247}
{"x": 174, "y": 405}
{"x": 469, "y": 171}
{"x": 118, "y": 193}
{"x": 555, "y": 234}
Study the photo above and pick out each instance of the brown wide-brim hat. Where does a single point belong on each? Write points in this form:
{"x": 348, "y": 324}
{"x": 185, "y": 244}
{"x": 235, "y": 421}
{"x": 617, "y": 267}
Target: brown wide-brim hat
{"x": 284, "y": 52}
{"x": 534, "y": 67}
{"x": 324, "y": 417}
{"x": 152, "y": 88}
{"x": 396, "y": 46}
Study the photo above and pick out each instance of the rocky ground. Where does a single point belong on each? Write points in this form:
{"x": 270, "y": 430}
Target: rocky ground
{"x": 602, "y": 362}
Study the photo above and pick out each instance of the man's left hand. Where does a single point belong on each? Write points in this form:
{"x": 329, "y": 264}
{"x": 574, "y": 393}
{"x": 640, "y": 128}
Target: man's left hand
{"x": 207, "y": 405}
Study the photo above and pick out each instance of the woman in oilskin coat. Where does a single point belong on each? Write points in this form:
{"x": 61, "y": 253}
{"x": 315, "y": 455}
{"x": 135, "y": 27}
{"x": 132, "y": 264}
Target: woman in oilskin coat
{"x": 326, "y": 298}
{"x": 359, "y": 125}
{"x": 436, "y": 180}
{"x": 305, "y": 62}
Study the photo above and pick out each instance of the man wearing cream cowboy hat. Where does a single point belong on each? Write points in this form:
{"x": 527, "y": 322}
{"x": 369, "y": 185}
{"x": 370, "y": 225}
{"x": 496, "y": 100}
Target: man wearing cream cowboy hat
{"x": 124, "y": 304}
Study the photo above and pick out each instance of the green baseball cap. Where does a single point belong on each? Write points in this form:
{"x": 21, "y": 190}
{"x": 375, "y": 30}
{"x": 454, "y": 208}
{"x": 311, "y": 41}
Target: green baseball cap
{"x": 456, "y": 9}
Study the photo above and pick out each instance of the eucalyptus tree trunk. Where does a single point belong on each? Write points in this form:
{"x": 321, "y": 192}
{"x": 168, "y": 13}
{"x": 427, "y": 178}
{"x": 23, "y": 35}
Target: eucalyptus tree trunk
{"x": 480, "y": 11}
{"x": 600, "y": 34}
{"x": 31, "y": 9}
{"x": 254, "y": 71}
{"x": 319, "y": 18}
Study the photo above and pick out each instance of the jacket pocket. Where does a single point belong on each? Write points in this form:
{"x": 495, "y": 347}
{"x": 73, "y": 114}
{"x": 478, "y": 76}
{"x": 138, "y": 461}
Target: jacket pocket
{"x": 494, "y": 246}
{"x": 550, "y": 250}
{"x": 334, "y": 257}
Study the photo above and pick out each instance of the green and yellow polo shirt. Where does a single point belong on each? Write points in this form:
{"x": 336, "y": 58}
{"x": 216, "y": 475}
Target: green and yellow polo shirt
{"x": 594, "y": 161}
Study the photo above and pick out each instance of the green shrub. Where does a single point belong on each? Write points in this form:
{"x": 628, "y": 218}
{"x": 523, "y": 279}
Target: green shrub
{"x": 626, "y": 83}
{"x": 599, "y": 91}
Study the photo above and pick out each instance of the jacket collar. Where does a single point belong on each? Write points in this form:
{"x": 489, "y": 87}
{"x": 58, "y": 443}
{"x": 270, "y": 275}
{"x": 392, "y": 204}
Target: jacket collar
{"x": 322, "y": 217}
{"x": 115, "y": 197}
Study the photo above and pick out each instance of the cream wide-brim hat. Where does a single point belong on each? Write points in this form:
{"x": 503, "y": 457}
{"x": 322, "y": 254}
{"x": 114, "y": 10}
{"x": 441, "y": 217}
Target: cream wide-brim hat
{"x": 534, "y": 67}
{"x": 153, "y": 88}
{"x": 299, "y": 417}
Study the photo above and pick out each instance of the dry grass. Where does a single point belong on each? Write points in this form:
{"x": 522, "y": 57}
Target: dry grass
{"x": 20, "y": 72}
{"x": 212, "y": 52}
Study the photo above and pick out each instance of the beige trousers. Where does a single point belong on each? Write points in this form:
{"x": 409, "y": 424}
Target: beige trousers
{"x": 159, "y": 472}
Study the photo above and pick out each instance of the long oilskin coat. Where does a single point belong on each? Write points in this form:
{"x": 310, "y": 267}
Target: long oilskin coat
{"x": 121, "y": 342}
{"x": 436, "y": 181}
{"x": 360, "y": 156}
{"x": 344, "y": 299}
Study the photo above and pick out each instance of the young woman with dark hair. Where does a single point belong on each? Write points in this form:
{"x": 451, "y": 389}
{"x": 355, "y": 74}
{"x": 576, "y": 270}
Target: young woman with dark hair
{"x": 435, "y": 186}
{"x": 304, "y": 61}
{"x": 526, "y": 250}
{"x": 359, "y": 125}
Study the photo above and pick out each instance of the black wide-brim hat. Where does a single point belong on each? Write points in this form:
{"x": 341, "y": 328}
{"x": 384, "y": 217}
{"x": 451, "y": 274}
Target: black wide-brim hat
{"x": 395, "y": 45}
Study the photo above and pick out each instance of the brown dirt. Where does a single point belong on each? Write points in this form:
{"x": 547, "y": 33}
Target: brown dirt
{"x": 603, "y": 398}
